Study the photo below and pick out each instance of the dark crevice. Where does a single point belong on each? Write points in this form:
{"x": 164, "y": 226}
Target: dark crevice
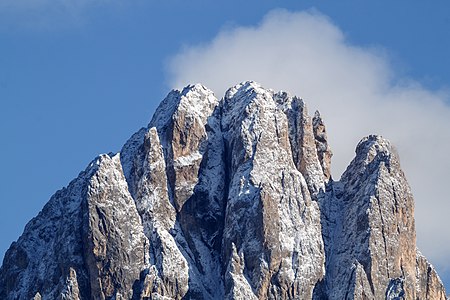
{"x": 292, "y": 121}
{"x": 428, "y": 282}
{"x": 194, "y": 215}
{"x": 329, "y": 219}
{"x": 168, "y": 159}
{"x": 277, "y": 132}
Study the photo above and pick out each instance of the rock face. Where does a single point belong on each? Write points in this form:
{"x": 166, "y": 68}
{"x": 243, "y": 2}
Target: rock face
{"x": 372, "y": 207}
{"x": 272, "y": 238}
{"x": 226, "y": 199}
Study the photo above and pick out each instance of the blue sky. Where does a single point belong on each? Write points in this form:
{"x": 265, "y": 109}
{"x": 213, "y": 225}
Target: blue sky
{"x": 77, "y": 80}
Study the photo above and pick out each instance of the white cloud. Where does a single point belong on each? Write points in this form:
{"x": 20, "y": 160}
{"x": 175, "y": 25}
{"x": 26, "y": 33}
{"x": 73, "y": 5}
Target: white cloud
{"x": 357, "y": 92}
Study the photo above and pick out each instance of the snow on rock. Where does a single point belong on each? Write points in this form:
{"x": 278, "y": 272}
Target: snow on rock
{"x": 428, "y": 283}
{"x": 114, "y": 242}
{"x": 303, "y": 141}
{"x": 176, "y": 179}
{"x": 270, "y": 217}
{"x": 372, "y": 229}
{"x": 226, "y": 199}
{"x": 86, "y": 242}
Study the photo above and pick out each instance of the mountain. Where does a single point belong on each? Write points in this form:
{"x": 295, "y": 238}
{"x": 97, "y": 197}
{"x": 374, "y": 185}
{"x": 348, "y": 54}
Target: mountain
{"x": 226, "y": 199}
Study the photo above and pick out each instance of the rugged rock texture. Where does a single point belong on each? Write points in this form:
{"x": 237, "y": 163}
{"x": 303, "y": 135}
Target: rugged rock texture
{"x": 86, "y": 243}
{"x": 115, "y": 247}
{"x": 323, "y": 149}
{"x": 229, "y": 199}
{"x": 271, "y": 226}
{"x": 374, "y": 210}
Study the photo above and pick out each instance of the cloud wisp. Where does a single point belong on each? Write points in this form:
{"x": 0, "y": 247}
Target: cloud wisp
{"x": 46, "y": 14}
{"x": 355, "y": 88}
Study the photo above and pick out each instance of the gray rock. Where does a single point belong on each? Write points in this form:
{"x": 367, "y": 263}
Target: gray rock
{"x": 115, "y": 247}
{"x": 270, "y": 217}
{"x": 229, "y": 199}
{"x": 371, "y": 233}
{"x": 323, "y": 148}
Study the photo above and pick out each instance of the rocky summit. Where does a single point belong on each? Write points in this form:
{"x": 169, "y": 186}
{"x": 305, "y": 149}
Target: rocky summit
{"x": 227, "y": 199}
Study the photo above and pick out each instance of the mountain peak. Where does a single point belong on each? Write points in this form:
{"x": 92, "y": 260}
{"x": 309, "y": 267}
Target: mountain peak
{"x": 195, "y": 101}
{"x": 374, "y": 144}
{"x": 227, "y": 199}
{"x": 246, "y": 87}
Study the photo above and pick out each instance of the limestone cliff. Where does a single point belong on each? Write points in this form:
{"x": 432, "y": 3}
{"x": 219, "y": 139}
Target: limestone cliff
{"x": 227, "y": 199}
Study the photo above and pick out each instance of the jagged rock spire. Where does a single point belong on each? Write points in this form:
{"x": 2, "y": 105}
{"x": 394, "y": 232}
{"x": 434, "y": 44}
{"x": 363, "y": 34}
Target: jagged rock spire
{"x": 374, "y": 231}
{"x": 323, "y": 148}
